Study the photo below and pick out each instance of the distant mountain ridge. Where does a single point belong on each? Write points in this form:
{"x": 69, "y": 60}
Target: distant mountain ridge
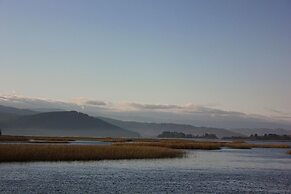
{"x": 65, "y": 123}
{"x": 11, "y": 113}
{"x": 16, "y": 121}
{"x": 154, "y": 129}
{"x": 15, "y": 111}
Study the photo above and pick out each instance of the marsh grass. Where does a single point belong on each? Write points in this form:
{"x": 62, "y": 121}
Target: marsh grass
{"x": 10, "y": 138}
{"x": 270, "y": 145}
{"x": 168, "y": 143}
{"x": 14, "y": 138}
{"x": 237, "y": 145}
{"x": 203, "y": 145}
{"x": 48, "y": 141}
{"x": 32, "y": 152}
{"x": 178, "y": 145}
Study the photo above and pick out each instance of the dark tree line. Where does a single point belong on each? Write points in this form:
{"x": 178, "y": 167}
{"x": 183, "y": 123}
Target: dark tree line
{"x": 255, "y": 136}
{"x": 270, "y": 137}
{"x": 174, "y": 134}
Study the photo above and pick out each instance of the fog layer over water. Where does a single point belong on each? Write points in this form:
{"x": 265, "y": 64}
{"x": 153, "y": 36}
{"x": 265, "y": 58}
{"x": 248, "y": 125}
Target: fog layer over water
{"x": 219, "y": 171}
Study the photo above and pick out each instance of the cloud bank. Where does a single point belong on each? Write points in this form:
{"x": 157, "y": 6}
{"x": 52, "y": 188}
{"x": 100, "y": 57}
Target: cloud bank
{"x": 189, "y": 114}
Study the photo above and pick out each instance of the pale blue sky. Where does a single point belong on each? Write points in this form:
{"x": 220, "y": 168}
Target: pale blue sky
{"x": 232, "y": 54}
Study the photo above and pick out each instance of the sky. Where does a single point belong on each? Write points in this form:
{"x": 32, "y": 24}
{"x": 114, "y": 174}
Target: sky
{"x": 224, "y": 55}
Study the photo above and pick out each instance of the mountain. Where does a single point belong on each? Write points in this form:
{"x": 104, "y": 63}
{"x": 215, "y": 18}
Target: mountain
{"x": 16, "y": 111}
{"x": 65, "y": 123}
{"x": 16, "y": 121}
{"x": 262, "y": 131}
{"x": 40, "y": 110}
{"x": 154, "y": 129}
{"x": 11, "y": 113}
{"x": 192, "y": 115}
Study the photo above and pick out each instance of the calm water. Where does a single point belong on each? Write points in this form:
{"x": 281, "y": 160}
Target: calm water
{"x": 220, "y": 171}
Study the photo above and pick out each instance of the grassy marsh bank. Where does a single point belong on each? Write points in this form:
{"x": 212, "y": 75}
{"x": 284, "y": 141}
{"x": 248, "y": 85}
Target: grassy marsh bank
{"x": 169, "y": 143}
{"x": 41, "y": 148}
{"x": 237, "y": 145}
{"x": 178, "y": 145}
{"x": 31, "y": 152}
{"x": 203, "y": 145}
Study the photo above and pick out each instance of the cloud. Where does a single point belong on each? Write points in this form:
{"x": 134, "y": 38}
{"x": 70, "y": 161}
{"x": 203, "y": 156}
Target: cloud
{"x": 19, "y": 101}
{"x": 95, "y": 103}
{"x": 84, "y": 103}
{"x": 213, "y": 111}
{"x": 189, "y": 113}
{"x": 188, "y": 108}
{"x": 279, "y": 112}
{"x": 154, "y": 106}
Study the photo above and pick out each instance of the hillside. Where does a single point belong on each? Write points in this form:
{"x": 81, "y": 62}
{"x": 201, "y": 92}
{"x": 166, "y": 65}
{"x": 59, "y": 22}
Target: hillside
{"x": 11, "y": 113}
{"x": 16, "y": 111}
{"x": 16, "y": 121}
{"x": 154, "y": 129}
{"x": 65, "y": 123}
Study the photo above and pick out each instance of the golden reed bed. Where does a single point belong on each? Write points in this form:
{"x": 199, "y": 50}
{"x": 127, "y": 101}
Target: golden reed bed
{"x": 169, "y": 143}
{"x": 203, "y": 145}
{"x": 122, "y": 148}
{"x": 177, "y": 145}
{"x": 28, "y": 152}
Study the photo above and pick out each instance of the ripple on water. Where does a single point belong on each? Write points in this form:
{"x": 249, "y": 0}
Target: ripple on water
{"x": 216, "y": 171}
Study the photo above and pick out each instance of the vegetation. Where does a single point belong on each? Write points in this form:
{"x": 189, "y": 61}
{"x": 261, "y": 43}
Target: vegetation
{"x": 32, "y": 152}
{"x": 169, "y": 134}
{"x": 263, "y": 137}
{"x": 122, "y": 148}
{"x": 270, "y": 146}
{"x": 34, "y": 138}
{"x": 237, "y": 145}
{"x": 235, "y": 138}
{"x": 270, "y": 137}
{"x": 179, "y": 145}
{"x": 204, "y": 145}
{"x": 4, "y": 138}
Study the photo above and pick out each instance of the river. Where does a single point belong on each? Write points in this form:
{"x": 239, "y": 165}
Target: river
{"x": 217, "y": 171}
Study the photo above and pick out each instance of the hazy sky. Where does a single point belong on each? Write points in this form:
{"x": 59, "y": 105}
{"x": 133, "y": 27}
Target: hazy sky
{"x": 234, "y": 55}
